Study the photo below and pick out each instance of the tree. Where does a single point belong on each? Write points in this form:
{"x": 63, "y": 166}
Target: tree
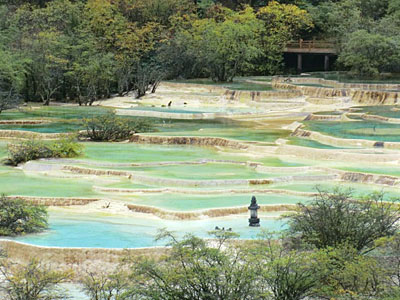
{"x": 281, "y": 24}
{"x": 110, "y": 127}
{"x": 106, "y": 286}
{"x": 336, "y": 19}
{"x": 93, "y": 76}
{"x": 334, "y": 219}
{"x": 225, "y": 47}
{"x": 180, "y": 61}
{"x": 34, "y": 281}
{"x": 48, "y": 64}
{"x": 155, "y": 11}
{"x": 285, "y": 274}
{"x": 146, "y": 77}
{"x": 34, "y": 149}
{"x": 350, "y": 275}
{"x": 369, "y": 54}
{"x": 11, "y": 79}
{"x": 388, "y": 255}
{"x": 9, "y": 97}
{"x": 196, "y": 270}
{"x": 20, "y": 217}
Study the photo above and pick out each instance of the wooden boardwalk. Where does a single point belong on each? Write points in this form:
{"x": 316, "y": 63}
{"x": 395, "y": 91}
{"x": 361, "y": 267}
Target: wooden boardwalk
{"x": 311, "y": 47}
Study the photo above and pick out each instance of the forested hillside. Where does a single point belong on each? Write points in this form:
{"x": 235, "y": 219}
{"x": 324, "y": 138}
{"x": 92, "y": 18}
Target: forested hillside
{"x": 81, "y": 51}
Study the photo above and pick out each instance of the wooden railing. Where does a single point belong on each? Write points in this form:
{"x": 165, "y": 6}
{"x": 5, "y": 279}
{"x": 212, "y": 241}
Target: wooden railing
{"x": 311, "y": 44}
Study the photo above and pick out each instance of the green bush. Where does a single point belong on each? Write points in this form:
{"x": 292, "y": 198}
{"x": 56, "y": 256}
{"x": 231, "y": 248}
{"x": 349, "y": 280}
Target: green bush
{"x": 337, "y": 218}
{"x": 20, "y": 217}
{"x": 33, "y": 280}
{"x": 110, "y": 127}
{"x": 35, "y": 149}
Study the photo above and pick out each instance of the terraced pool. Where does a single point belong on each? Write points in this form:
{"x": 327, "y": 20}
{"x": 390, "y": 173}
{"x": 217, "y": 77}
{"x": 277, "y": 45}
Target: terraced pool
{"x": 367, "y": 130}
{"x": 94, "y": 231}
{"x": 171, "y": 180}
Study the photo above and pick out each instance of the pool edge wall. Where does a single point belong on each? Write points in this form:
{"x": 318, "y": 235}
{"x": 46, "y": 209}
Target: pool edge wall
{"x": 79, "y": 260}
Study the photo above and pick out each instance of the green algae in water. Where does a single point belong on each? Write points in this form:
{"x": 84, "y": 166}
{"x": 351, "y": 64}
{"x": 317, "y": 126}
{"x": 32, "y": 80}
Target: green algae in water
{"x": 221, "y": 127}
{"x": 16, "y": 182}
{"x": 389, "y": 170}
{"x": 197, "y": 110}
{"x": 56, "y": 127}
{"x": 368, "y": 130}
{"x": 61, "y": 118}
{"x": 388, "y": 111}
{"x": 137, "y": 153}
{"x": 199, "y": 172}
{"x": 57, "y": 112}
{"x": 310, "y": 143}
{"x": 69, "y": 112}
{"x": 141, "y": 153}
{"x": 349, "y": 78}
{"x": 3, "y": 149}
{"x": 237, "y": 84}
{"x": 187, "y": 202}
{"x": 358, "y": 188}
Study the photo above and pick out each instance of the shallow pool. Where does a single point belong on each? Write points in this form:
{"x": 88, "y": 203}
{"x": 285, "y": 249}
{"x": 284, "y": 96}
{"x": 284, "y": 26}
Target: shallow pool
{"x": 368, "y": 130}
{"x": 110, "y": 232}
{"x": 188, "y": 202}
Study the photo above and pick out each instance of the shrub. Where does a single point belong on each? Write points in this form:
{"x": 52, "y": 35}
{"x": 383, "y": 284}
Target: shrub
{"x": 32, "y": 281}
{"x": 110, "y": 127}
{"x": 193, "y": 269}
{"x": 336, "y": 218}
{"x": 19, "y": 217}
{"x": 369, "y": 54}
{"x": 35, "y": 149}
{"x": 101, "y": 286}
{"x": 65, "y": 148}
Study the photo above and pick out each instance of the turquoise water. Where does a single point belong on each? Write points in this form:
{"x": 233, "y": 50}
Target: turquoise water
{"x": 239, "y": 83}
{"x": 368, "y": 130}
{"x": 228, "y": 130}
{"x": 348, "y": 78}
{"x": 137, "y": 153}
{"x": 95, "y": 230}
{"x": 110, "y": 232}
{"x": 59, "y": 112}
{"x": 309, "y": 143}
{"x": 63, "y": 119}
{"x": 56, "y": 127}
{"x": 203, "y": 171}
{"x": 187, "y": 202}
{"x": 16, "y": 182}
{"x": 3, "y": 149}
{"x": 221, "y": 127}
{"x": 384, "y": 110}
{"x": 380, "y": 170}
{"x": 197, "y": 110}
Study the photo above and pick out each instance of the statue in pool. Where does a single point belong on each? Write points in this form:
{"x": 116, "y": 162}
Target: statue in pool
{"x": 254, "y": 221}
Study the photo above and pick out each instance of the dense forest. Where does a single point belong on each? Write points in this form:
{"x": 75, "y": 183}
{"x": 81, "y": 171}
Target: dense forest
{"x": 80, "y": 51}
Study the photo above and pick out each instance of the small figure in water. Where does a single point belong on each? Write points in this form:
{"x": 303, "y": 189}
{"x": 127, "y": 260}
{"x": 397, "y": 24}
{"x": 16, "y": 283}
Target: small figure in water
{"x": 217, "y": 228}
{"x": 169, "y": 103}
